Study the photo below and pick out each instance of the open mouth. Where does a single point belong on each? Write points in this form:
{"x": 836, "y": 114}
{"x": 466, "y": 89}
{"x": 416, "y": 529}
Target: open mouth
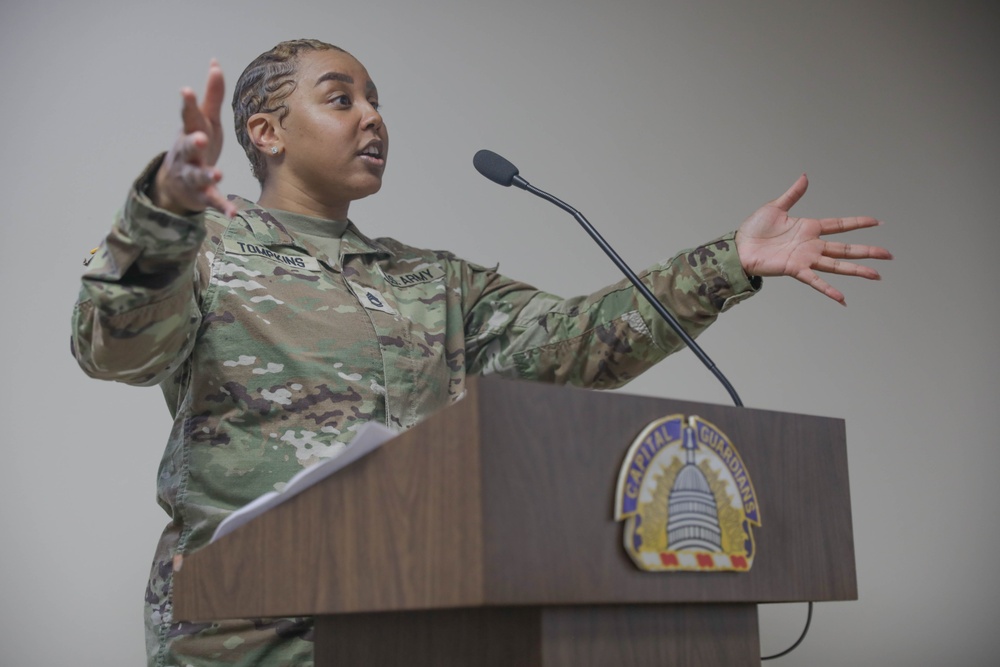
{"x": 373, "y": 152}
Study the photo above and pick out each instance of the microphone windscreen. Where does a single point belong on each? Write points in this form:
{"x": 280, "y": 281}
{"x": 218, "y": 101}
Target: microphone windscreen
{"x": 492, "y": 166}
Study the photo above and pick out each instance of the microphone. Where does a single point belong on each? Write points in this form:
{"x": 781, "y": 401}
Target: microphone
{"x": 498, "y": 169}
{"x": 502, "y": 172}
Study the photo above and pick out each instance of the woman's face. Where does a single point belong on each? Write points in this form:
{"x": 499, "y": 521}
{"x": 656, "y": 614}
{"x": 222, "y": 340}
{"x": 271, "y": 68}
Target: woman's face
{"x": 333, "y": 139}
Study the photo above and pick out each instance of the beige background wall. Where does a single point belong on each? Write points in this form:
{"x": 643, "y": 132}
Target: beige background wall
{"x": 666, "y": 123}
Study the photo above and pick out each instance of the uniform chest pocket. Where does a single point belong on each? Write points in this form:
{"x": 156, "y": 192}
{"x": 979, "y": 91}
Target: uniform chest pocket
{"x": 410, "y": 323}
{"x": 411, "y": 318}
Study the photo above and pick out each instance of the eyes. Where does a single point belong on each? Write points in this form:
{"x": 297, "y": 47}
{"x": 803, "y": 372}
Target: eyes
{"x": 343, "y": 101}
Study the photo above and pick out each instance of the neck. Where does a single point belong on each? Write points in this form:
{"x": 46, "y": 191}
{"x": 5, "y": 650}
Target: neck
{"x": 297, "y": 201}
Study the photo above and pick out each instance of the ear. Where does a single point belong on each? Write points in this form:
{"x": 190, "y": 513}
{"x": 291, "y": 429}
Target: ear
{"x": 264, "y": 131}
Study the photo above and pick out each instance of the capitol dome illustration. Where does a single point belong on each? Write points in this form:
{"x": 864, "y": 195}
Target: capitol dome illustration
{"x": 693, "y": 517}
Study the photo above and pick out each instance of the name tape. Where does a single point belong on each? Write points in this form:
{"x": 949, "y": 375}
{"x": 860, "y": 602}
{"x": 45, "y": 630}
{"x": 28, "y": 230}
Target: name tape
{"x": 294, "y": 261}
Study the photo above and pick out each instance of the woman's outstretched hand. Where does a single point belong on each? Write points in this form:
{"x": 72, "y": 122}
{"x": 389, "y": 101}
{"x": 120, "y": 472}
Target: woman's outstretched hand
{"x": 772, "y": 243}
{"x": 186, "y": 181}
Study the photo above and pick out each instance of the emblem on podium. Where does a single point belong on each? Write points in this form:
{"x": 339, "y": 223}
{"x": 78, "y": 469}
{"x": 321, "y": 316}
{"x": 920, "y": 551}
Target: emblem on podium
{"x": 686, "y": 499}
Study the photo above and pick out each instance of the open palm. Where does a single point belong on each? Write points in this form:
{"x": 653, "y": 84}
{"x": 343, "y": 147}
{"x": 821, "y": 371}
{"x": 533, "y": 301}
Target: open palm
{"x": 773, "y": 243}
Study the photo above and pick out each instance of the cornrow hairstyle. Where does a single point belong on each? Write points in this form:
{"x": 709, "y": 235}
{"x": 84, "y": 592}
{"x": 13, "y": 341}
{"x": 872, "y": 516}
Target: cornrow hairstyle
{"x": 263, "y": 88}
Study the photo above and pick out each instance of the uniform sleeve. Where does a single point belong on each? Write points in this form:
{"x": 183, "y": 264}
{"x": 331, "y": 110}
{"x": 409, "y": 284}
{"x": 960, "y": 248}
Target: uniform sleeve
{"x": 605, "y": 339}
{"x": 137, "y": 315}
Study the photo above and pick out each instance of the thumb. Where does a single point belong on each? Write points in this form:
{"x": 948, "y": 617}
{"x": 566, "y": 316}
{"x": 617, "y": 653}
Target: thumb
{"x": 793, "y": 194}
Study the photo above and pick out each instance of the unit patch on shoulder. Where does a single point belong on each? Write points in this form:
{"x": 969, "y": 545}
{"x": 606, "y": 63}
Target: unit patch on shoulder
{"x": 303, "y": 262}
{"x": 686, "y": 499}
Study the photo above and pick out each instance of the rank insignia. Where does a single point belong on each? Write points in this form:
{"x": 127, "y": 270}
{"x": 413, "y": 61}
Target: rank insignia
{"x": 686, "y": 499}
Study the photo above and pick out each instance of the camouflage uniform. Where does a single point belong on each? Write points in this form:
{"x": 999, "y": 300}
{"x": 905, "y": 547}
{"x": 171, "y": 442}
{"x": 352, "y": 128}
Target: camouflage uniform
{"x": 273, "y": 340}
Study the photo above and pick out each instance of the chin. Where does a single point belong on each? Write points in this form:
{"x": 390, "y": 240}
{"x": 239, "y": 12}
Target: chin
{"x": 368, "y": 192}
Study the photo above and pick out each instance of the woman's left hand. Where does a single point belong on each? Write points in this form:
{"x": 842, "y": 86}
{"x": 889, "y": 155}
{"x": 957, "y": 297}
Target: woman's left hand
{"x": 772, "y": 243}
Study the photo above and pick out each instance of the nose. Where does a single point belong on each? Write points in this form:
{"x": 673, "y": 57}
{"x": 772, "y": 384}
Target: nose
{"x": 371, "y": 118}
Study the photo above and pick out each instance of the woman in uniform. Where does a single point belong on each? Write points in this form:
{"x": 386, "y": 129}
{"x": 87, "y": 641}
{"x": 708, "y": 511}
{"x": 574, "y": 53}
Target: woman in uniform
{"x": 276, "y": 328}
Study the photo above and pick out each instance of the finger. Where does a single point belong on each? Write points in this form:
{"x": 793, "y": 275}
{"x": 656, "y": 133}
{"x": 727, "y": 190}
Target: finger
{"x": 191, "y": 116}
{"x": 197, "y": 179}
{"x": 830, "y": 265}
{"x": 215, "y": 90}
{"x": 854, "y": 251}
{"x": 193, "y": 189}
{"x": 838, "y": 225}
{"x": 191, "y": 148}
{"x": 218, "y": 201}
{"x": 813, "y": 280}
{"x": 793, "y": 194}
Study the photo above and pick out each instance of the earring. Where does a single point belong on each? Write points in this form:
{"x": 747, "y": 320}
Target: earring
{"x": 274, "y": 150}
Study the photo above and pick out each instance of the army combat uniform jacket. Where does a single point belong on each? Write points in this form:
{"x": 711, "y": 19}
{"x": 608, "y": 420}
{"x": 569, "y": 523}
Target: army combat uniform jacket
{"x": 275, "y": 336}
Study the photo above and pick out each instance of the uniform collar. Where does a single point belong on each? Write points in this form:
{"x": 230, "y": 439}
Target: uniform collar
{"x": 269, "y": 231}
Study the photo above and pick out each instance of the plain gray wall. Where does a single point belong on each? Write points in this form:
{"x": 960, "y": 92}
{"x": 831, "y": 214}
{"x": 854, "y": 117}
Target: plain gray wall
{"x": 666, "y": 123}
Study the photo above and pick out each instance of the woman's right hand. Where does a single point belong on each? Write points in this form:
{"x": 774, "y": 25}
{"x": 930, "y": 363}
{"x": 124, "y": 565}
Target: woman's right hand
{"x": 186, "y": 181}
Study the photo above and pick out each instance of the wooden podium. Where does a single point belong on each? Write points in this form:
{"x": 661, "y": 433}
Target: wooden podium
{"x": 484, "y": 537}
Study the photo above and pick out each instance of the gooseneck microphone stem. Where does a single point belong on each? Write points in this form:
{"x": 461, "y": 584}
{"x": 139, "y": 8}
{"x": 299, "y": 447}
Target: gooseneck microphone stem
{"x": 634, "y": 279}
{"x": 503, "y": 172}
